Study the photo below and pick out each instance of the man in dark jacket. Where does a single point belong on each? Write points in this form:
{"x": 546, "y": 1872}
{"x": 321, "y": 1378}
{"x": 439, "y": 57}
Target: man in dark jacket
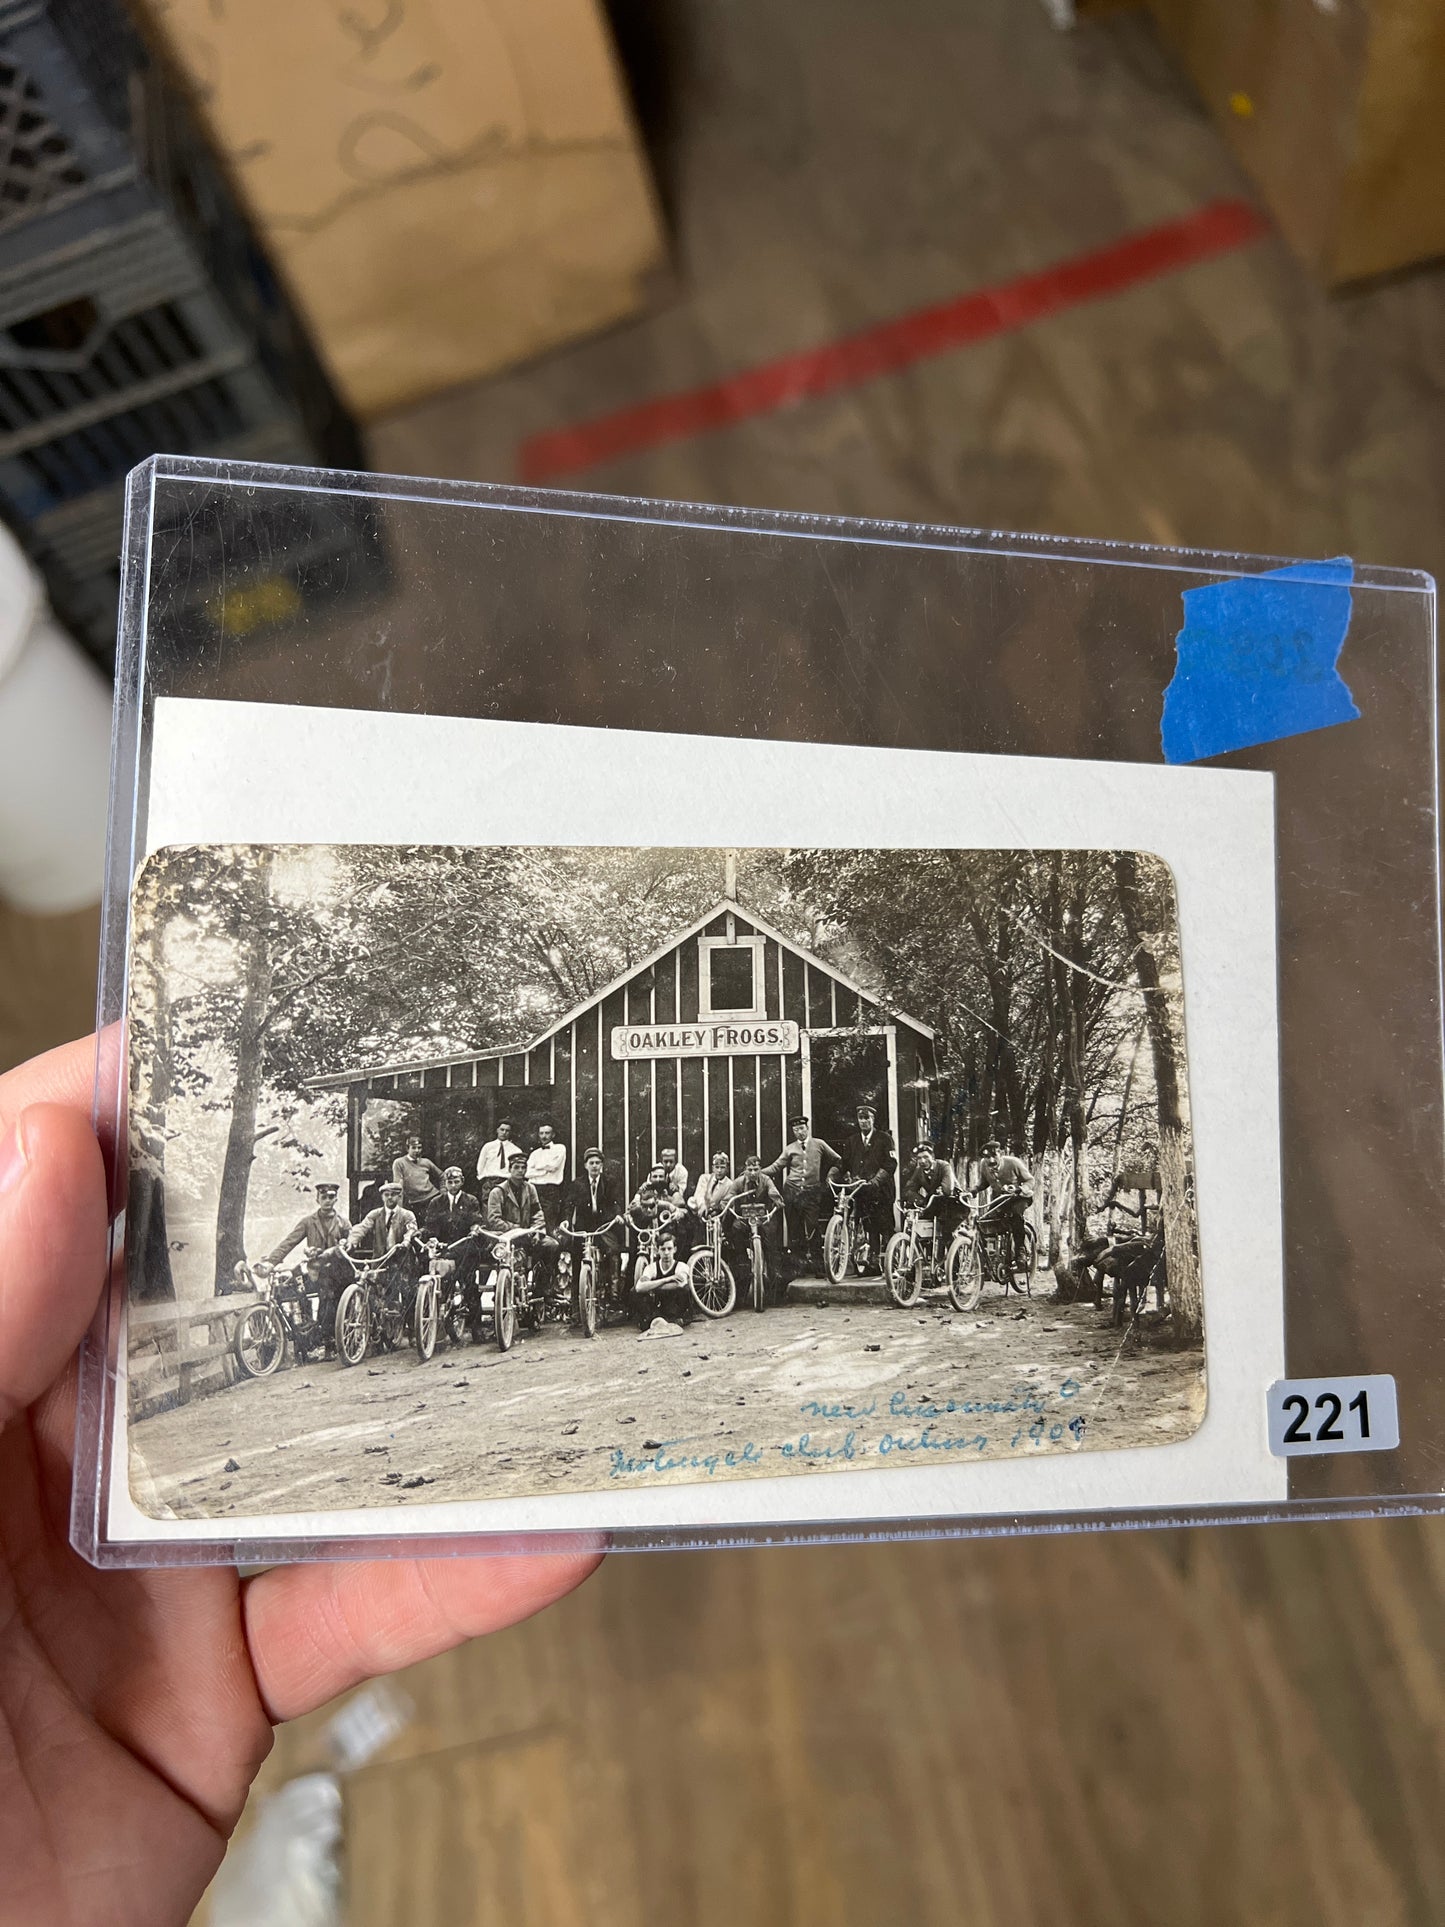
{"x": 869, "y": 1154}
{"x": 594, "y": 1201}
{"x": 453, "y": 1212}
{"x": 595, "y": 1198}
{"x": 455, "y": 1220}
{"x": 930, "y": 1184}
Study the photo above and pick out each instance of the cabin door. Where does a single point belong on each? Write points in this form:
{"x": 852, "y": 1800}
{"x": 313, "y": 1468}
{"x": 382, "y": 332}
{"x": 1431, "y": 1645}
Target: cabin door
{"x": 840, "y": 1070}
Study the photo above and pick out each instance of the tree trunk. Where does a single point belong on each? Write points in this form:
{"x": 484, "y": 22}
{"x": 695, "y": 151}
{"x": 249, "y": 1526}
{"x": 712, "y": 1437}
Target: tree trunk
{"x": 148, "y": 1246}
{"x": 1055, "y": 1168}
{"x": 1038, "y": 1166}
{"x": 1186, "y": 1292}
{"x": 1073, "y": 1078}
{"x": 255, "y": 993}
{"x": 1117, "y": 1163}
{"x": 995, "y": 947}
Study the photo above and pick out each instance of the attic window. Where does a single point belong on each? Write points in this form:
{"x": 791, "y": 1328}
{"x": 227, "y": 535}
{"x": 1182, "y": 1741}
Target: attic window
{"x": 730, "y": 977}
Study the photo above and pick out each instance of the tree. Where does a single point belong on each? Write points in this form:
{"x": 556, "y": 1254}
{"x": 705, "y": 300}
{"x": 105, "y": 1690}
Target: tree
{"x": 151, "y": 1084}
{"x": 297, "y": 960}
{"x": 1150, "y": 935}
{"x": 598, "y": 912}
{"x": 1015, "y": 958}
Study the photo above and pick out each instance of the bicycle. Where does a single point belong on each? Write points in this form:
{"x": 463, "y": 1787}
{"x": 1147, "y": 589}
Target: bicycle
{"x": 754, "y": 1214}
{"x": 586, "y": 1292}
{"x": 847, "y": 1240}
{"x": 709, "y": 1275}
{"x": 376, "y": 1308}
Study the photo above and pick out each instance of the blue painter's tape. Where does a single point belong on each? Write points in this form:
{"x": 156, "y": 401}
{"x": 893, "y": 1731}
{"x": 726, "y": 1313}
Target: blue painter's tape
{"x": 1256, "y": 660}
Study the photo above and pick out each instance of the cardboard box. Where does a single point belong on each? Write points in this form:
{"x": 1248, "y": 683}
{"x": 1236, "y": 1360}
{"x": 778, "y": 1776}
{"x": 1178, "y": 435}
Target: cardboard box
{"x": 450, "y": 186}
{"x": 1337, "y": 110}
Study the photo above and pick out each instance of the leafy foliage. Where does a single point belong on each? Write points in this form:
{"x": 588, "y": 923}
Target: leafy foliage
{"x": 257, "y": 969}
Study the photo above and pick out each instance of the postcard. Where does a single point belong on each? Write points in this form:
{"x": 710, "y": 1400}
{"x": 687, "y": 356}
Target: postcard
{"x": 536, "y": 1128}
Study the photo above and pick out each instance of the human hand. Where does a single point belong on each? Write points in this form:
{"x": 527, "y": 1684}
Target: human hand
{"x": 136, "y": 1707}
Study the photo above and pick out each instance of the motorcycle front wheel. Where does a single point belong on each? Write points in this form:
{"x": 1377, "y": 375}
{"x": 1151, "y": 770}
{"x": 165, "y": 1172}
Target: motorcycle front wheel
{"x": 504, "y": 1308}
{"x": 587, "y": 1298}
{"x": 353, "y": 1325}
{"x": 260, "y": 1342}
{"x": 835, "y": 1248}
{"x": 425, "y": 1319}
{"x": 903, "y": 1271}
{"x": 964, "y": 1266}
{"x": 759, "y": 1269}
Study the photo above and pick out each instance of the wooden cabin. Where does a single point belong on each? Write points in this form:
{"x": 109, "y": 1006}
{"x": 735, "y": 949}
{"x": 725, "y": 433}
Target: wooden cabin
{"x": 711, "y": 1043}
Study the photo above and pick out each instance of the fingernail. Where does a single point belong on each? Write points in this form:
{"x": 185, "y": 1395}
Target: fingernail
{"x": 12, "y": 1159}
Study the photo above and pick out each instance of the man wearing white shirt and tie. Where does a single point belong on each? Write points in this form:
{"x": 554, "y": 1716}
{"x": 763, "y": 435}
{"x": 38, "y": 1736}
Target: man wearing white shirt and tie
{"x": 546, "y": 1171}
{"x": 492, "y": 1164}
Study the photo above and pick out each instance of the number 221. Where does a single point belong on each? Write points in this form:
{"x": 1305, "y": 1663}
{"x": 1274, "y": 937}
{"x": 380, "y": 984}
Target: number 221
{"x": 1328, "y": 1432}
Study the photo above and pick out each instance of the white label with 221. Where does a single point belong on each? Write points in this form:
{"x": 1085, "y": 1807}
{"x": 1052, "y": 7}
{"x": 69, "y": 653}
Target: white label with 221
{"x": 1333, "y": 1415}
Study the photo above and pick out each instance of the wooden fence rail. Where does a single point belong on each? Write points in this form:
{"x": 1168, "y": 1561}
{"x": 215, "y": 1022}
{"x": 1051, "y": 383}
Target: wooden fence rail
{"x": 166, "y": 1364}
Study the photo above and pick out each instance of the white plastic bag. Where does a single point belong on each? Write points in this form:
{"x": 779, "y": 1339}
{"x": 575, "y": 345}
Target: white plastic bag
{"x": 284, "y": 1873}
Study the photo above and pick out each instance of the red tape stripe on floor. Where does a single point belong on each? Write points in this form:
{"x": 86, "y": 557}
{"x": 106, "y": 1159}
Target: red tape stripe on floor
{"x": 883, "y": 350}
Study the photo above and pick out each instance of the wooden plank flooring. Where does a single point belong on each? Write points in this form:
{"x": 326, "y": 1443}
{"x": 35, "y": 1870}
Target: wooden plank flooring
{"x": 1204, "y": 1727}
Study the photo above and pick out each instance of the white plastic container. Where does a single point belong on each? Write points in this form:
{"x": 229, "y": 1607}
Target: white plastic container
{"x": 54, "y": 751}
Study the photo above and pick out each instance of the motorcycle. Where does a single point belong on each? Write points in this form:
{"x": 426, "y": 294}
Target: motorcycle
{"x": 285, "y": 1314}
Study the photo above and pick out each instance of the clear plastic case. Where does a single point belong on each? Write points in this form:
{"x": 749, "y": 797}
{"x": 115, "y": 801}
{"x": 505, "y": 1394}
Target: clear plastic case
{"x": 379, "y": 597}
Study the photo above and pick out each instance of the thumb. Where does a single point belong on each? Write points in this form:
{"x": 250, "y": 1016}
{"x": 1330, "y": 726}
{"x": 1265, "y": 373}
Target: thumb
{"x": 52, "y": 1247}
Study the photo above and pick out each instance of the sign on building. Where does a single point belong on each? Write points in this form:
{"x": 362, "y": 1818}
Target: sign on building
{"x": 768, "y": 1038}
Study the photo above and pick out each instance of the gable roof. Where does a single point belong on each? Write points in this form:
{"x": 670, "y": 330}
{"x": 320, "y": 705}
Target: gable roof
{"x": 333, "y": 1080}
{"x": 723, "y": 907}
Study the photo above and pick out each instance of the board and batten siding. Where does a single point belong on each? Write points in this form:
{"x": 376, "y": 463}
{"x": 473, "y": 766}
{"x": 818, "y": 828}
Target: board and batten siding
{"x": 637, "y": 1107}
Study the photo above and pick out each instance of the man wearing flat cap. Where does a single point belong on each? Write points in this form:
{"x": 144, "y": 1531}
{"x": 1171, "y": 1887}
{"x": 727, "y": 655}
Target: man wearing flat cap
{"x": 453, "y": 1212}
{"x": 594, "y": 1201}
{"x": 514, "y": 1205}
{"x": 383, "y": 1229}
{"x": 801, "y": 1174}
{"x": 320, "y": 1230}
{"x": 455, "y": 1219}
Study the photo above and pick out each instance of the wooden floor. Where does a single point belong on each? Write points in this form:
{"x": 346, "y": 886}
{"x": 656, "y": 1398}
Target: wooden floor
{"x": 1200, "y": 1727}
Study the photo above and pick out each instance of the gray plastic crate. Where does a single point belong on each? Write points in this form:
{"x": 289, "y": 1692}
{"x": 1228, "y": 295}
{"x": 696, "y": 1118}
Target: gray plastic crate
{"x": 137, "y": 312}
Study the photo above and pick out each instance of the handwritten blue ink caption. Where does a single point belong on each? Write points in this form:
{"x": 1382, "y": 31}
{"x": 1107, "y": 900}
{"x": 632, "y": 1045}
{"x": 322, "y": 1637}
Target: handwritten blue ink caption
{"x": 1257, "y": 660}
{"x": 1031, "y": 1409}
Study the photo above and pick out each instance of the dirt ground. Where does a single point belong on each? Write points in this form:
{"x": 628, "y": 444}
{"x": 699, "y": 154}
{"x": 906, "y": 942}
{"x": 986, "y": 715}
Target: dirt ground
{"x": 836, "y": 1382}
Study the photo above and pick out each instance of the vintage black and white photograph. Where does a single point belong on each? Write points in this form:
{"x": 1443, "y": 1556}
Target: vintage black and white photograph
{"x": 469, "y": 1173}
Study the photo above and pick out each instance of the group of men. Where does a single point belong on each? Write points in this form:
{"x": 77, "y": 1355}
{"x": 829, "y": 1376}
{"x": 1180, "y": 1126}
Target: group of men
{"x": 527, "y": 1192}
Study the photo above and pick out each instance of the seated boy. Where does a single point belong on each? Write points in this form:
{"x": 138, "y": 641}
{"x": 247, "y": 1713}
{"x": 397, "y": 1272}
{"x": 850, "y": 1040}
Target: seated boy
{"x": 659, "y": 1285}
